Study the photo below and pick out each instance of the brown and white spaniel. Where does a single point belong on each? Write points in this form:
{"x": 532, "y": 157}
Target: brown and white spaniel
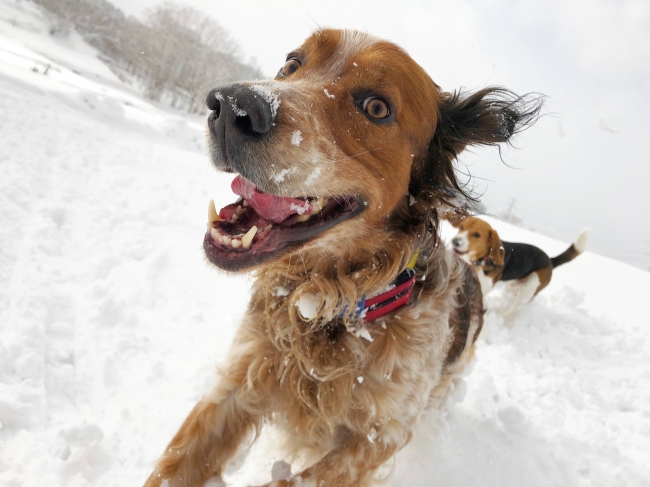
{"x": 359, "y": 317}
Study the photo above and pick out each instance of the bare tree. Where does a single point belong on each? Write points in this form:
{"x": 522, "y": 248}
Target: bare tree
{"x": 509, "y": 215}
{"x": 177, "y": 54}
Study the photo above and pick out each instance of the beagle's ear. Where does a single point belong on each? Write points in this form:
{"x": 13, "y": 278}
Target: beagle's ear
{"x": 497, "y": 252}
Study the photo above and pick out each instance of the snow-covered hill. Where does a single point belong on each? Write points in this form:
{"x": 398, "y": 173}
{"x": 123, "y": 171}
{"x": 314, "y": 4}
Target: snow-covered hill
{"x": 111, "y": 322}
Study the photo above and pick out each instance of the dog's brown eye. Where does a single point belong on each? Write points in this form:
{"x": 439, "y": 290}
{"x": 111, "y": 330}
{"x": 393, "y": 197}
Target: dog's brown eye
{"x": 376, "y": 107}
{"x": 291, "y": 66}
{"x": 476, "y": 235}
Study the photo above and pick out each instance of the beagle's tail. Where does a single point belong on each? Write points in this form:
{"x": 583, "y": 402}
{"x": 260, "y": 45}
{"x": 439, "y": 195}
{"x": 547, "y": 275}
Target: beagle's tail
{"x": 577, "y": 247}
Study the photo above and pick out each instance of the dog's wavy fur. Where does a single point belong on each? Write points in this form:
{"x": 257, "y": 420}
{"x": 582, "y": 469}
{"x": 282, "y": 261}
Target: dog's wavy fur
{"x": 351, "y": 401}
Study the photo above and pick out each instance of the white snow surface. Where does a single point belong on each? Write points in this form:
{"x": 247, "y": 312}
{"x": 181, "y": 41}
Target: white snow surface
{"x": 111, "y": 322}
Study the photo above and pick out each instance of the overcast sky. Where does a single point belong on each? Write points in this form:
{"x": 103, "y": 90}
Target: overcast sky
{"x": 585, "y": 164}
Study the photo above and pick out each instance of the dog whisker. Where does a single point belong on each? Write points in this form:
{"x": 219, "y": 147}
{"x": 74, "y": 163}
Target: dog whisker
{"x": 357, "y": 155}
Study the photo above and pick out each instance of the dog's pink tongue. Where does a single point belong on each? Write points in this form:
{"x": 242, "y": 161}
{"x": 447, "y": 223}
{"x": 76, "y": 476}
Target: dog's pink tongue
{"x": 268, "y": 206}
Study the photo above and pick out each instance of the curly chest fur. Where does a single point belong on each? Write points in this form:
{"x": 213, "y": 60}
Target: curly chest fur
{"x": 368, "y": 378}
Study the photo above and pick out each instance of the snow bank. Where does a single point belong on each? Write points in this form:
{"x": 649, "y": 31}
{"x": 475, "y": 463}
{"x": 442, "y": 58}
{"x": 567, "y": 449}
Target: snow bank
{"x": 111, "y": 322}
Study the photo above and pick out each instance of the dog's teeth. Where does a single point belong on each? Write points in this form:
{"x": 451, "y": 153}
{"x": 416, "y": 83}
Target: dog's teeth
{"x": 319, "y": 203}
{"x": 217, "y": 235}
{"x": 213, "y": 216}
{"x": 267, "y": 228}
{"x": 235, "y": 243}
{"x": 225, "y": 239}
{"x": 247, "y": 239}
{"x": 239, "y": 210}
{"x": 303, "y": 218}
{"x": 234, "y": 217}
{"x": 245, "y": 203}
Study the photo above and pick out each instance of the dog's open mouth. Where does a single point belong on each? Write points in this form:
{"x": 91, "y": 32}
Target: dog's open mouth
{"x": 259, "y": 225}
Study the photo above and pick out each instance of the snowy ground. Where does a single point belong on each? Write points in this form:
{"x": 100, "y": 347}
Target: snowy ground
{"x": 111, "y": 322}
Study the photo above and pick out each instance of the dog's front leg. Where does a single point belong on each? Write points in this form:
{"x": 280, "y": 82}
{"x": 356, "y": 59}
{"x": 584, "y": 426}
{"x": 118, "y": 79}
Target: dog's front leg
{"x": 209, "y": 437}
{"x": 350, "y": 465}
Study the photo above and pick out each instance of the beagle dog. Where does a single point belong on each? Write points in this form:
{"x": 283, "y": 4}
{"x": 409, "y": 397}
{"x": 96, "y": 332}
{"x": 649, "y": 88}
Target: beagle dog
{"x": 478, "y": 244}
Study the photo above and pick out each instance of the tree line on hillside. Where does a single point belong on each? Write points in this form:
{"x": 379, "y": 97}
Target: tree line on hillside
{"x": 177, "y": 53}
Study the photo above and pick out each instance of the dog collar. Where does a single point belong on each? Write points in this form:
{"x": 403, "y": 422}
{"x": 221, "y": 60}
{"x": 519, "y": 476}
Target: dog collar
{"x": 396, "y": 295}
{"x": 484, "y": 261}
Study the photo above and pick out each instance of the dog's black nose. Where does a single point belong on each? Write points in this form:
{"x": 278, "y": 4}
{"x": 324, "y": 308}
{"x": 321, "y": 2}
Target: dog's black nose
{"x": 455, "y": 242}
{"x": 239, "y": 112}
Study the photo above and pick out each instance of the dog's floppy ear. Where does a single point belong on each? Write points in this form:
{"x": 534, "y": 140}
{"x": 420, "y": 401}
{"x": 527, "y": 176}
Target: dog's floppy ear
{"x": 453, "y": 217}
{"x": 497, "y": 252}
{"x": 488, "y": 117}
